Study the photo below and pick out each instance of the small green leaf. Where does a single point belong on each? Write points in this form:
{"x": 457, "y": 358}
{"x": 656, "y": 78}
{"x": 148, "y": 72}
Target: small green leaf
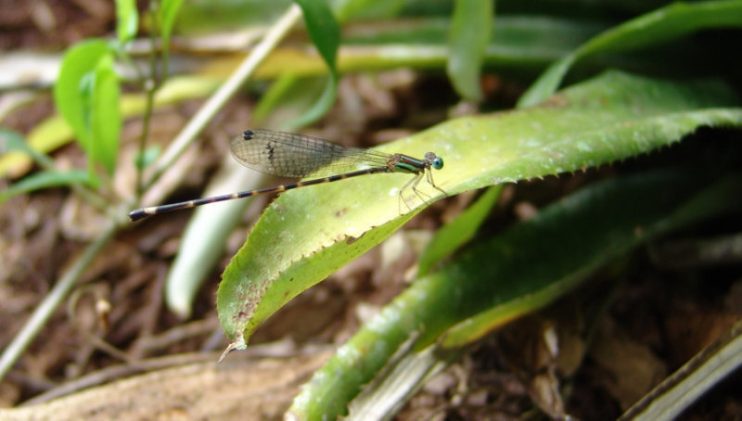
{"x": 462, "y": 229}
{"x": 78, "y": 63}
{"x": 55, "y": 132}
{"x": 470, "y": 32}
{"x": 43, "y": 180}
{"x": 105, "y": 121}
{"x": 127, "y": 20}
{"x": 87, "y": 96}
{"x": 325, "y": 34}
{"x": 660, "y": 26}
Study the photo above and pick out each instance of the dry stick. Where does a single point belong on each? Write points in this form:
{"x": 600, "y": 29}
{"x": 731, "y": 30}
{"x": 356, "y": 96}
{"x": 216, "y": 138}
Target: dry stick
{"x": 61, "y": 290}
{"x": 220, "y": 97}
{"x": 682, "y": 388}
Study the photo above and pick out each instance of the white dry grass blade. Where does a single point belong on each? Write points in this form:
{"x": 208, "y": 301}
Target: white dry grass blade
{"x": 203, "y": 241}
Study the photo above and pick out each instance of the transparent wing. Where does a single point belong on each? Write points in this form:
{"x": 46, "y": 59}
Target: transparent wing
{"x": 297, "y": 156}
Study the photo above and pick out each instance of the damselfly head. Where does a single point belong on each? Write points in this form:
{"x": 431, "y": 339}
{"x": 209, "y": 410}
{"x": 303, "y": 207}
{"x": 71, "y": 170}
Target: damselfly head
{"x": 434, "y": 160}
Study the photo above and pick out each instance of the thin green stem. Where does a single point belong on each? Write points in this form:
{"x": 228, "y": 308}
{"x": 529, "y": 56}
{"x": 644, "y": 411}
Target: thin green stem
{"x": 151, "y": 85}
{"x": 150, "y": 89}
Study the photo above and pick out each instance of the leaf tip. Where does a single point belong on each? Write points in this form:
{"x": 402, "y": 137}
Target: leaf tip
{"x": 236, "y": 345}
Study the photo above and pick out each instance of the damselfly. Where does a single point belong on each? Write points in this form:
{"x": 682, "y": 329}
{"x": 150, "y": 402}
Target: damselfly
{"x": 299, "y": 156}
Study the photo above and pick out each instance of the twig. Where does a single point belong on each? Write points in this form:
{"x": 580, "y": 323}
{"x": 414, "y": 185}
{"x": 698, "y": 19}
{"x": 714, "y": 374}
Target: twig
{"x": 705, "y": 370}
{"x": 61, "y": 289}
{"x": 225, "y": 92}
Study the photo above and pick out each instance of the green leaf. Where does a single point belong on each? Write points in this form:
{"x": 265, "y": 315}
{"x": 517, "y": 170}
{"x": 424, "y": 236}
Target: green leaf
{"x": 43, "y": 180}
{"x": 105, "y": 115}
{"x": 54, "y": 132}
{"x": 462, "y": 229}
{"x": 471, "y": 26}
{"x": 308, "y": 233}
{"x": 78, "y": 63}
{"x": 660, "y": 26}
{"x": 322, "y": 27}
{"x": 288, "y": 98}
{"x": 87, "y": 96}
{"x": 367, "y": 9}
{"x": 11, "y": 141}
{"x": 325, "y": 34}
{"x": 166, "y": 15}
{"x": 527, "y": 267}
{"x": 127, "y": 20}
{"x": 320, "y": 108}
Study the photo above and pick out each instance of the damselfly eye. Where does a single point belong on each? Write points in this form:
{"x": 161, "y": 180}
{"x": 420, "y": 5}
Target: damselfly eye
{"x": 437, "y": 163}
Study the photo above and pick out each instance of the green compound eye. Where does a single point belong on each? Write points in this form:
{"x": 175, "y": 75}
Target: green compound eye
{"x": 438, "y": 163}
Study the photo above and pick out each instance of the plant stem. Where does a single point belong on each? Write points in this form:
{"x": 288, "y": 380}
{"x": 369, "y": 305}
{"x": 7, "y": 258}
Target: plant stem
{"x": 151, "y": 84}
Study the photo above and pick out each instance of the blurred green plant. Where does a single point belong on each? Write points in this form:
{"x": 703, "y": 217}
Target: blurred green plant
{"x": 87, "y": 96}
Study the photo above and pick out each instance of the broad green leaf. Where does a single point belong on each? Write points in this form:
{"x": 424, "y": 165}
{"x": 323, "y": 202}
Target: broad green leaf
{"x": 660, "y": 26}
{"x": 127, "y": 20}
{"x": 498, "y": 280}
{"x": 307, "y": 234}
{"x": 462, "y": 229}
{"x": 471, "y": 26}
{"x": 707, "y": 198}
{"x": 325, "y": 34}
{"x": 44, "y": 180}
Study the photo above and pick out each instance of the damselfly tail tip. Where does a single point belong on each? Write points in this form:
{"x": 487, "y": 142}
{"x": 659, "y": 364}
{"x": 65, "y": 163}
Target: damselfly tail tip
{"x": 139, "y": 214}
